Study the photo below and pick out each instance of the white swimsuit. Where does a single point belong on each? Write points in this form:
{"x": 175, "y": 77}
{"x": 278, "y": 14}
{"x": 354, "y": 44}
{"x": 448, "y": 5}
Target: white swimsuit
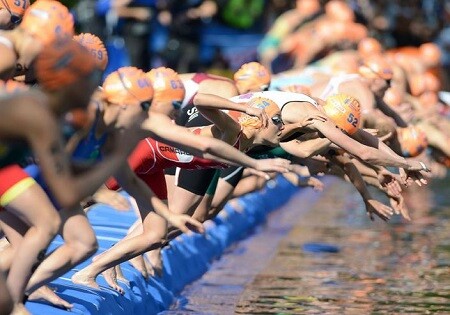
{"x": 278, "y": 97}
{"x": 332, "y": 87}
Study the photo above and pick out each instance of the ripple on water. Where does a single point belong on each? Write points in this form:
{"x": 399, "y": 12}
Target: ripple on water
{"x": 401, "y": 268}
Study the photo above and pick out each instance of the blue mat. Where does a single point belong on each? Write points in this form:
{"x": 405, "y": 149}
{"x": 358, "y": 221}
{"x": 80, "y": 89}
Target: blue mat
{"x": 186, "y": 259}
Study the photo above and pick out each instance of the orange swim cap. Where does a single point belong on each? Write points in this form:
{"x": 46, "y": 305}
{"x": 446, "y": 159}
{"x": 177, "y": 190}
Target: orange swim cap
{"x": 11, "y": 87}
{"x": 376, "y": 66}
{"x": 252, "y": 76}
{"x": 430, "y": 54}
{"x": 345, "y": 111}
{"x": 269, "y": 106}
{"x": 369, "y": 46}
{"x": 339, "y": 10}
{"x": 62, "y": 63}
{"x": 413, "y": 141}
{"x": 47, "y": 20}
{"x": 127, "y": 85}
{"x": 95, "y": 46}
{"x": 15, "y": 7}
{"x": 167, "y": 85}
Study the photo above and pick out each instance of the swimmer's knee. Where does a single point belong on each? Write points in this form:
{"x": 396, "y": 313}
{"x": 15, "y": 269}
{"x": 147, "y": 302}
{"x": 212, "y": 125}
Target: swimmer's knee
{"x": 50, "y": 223}
{"x": 86, "y": 247}
{"x": 151, "y": 238}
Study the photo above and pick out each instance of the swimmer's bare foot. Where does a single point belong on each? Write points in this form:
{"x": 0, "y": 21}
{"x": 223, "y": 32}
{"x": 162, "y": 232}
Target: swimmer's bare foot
{"x": 47, "y": 294}
{"x": 111, "y": 279}
{"x": 19, "y": 309}
{"x": 138, "y": 263}
{"x": 155, "y": 259}
{"x": 84, "y": 278}
{"x": 120, "y": 276}
{"x": 149, "y": 267}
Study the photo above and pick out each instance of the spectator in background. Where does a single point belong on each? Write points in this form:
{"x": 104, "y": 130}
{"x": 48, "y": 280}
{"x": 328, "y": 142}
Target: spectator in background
{"x": 244, "y": 15}
{"x": 135, "y": 17}
{"x": 184, "y": 21}
{"x": 90, "y": 17}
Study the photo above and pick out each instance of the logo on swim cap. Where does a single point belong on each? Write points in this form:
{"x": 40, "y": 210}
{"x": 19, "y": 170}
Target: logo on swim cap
{"x": 269, "y": 106}
{"x": 127, "y": 85}
{"x": 95, "y": 46}
{"x": 345, "y": 111}
{"x": 167, "y": 85}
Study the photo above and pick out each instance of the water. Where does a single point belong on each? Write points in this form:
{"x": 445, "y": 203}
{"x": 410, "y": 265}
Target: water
{"x": 394, "y": 268}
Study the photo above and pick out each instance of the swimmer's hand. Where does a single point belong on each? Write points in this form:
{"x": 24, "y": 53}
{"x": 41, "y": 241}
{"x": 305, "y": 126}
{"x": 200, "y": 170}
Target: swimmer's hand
{"x": 315, "y": 183}
{"x": 185, "y": 223}
{"x": 375, "y": 207}
{"x": 308, "y": 121}
{"x": 399, "y": 206}
{"x": 260, "y": 113}
{"x": 390, "y": 182}
{"x": 270, "y": 165}
{"x": 413, "y": 173}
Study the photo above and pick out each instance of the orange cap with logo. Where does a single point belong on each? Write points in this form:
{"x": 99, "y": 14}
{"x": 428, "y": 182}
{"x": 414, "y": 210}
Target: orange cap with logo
{"x": 62, "y": 63}
{"x": 345, "y": 111}
{"x": 430, "y": 54}
{"x": 11, "y": 87}
{"x": 413, "y": 141}
{"x": 252, "y": 76}
{"x": 48, "y": 20}
{"x": 127, "y": 85}
{"x": 167, "y": 85}
{"x": 95, "y": 46}
{"x": 376, "y": 66}
{"x": 369, "y": 46}
{"x": 269, "y": 106}
{"x": 15, "y": 7}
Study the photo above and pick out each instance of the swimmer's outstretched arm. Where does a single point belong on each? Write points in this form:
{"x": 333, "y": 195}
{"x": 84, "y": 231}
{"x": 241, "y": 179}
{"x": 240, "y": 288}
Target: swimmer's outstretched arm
{"x": 372, "y": 206}
{"x": 211, "y": 107}
{"x": 388, "y": 111}
{"x": 161, "y": 128}
{"x": 369, "y": 154}
{"x": 305, "y": 149}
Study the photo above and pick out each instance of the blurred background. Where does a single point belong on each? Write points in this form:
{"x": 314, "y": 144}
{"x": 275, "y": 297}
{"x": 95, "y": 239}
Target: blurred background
{"x": 220, "y": 35}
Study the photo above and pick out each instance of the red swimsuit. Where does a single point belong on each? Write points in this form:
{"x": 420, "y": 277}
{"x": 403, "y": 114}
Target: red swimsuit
{"x": 151, "y": 157}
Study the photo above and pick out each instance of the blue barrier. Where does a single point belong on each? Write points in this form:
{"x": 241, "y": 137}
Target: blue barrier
{"x": 185, "y": 259}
